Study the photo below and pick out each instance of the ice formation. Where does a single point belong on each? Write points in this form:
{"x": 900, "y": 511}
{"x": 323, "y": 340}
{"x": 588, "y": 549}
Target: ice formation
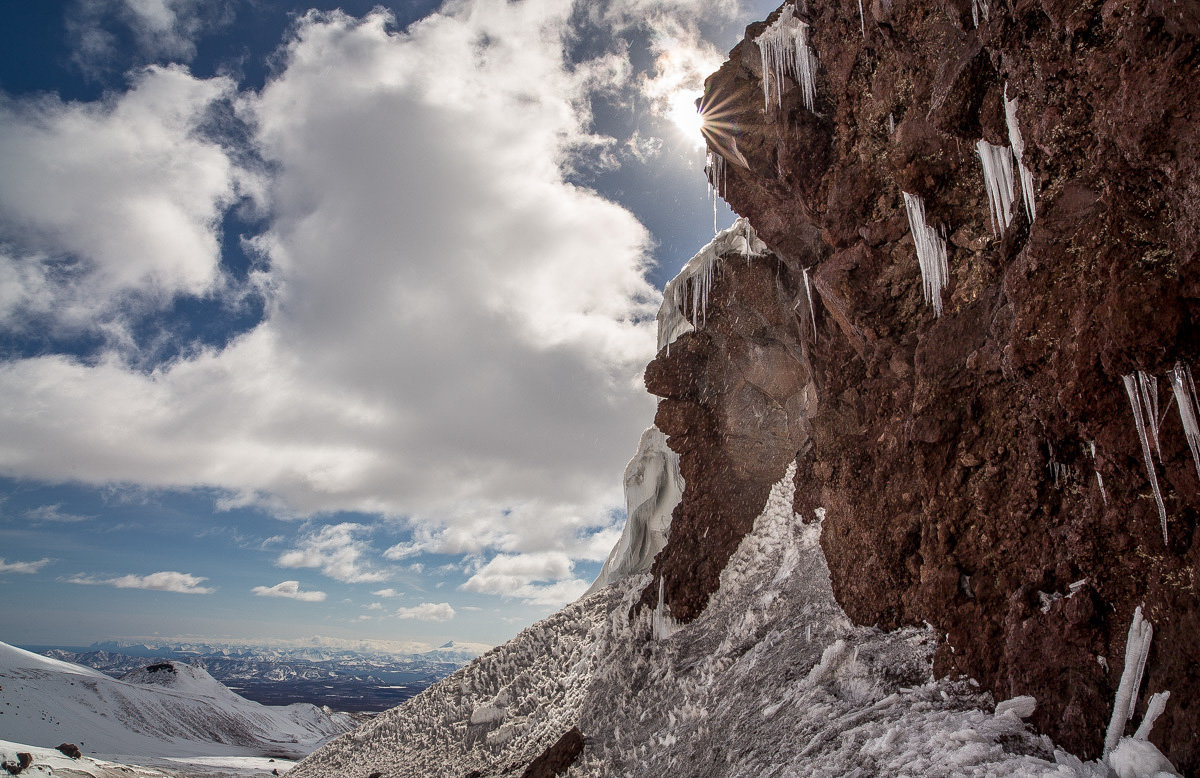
{"x": 685, "y": 300}
{"x": 931, "y": 252}
{"x": 811, "y": 310}
{"x": 1018, "y": 147}
{"x": 1185, "y": 400}
{"x": 998, "y": 180}
{"x": 979, "y": 10}
{"x": 653, "y": 487}
{"x": 714, "y": 166}
{"x": 785, "y": 52}
{"x": 1135, "y": 388}
{"x": 1136, "y": 757}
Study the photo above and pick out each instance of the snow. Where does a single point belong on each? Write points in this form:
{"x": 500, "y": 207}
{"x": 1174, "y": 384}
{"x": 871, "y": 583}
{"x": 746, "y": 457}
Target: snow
{"x": 50, "y": 762}
{"x": 931, "y": 252}
{"x": 998, "y": 180}
{"x": 771, "y": 679}
{"x": 785, "y": 52}
{"x": 44, "y": 702}
{"x": 653, "y": 487}
{"x": 1017, "y": 142}
{"x": 685, "y": 299}
{"x": 1135, "y": 388}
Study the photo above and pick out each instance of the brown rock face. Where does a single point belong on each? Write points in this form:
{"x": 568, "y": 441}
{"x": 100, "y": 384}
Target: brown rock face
{"x": 954, "y": 453}
{"x": 558, "y": 758}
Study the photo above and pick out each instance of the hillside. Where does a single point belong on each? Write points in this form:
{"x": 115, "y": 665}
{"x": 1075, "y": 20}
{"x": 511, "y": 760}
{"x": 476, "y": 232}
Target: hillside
{"x": 168, "y": 709}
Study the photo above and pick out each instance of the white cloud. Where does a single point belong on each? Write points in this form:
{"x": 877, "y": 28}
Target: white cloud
{"x": 54, "y": 513}
{"x": 374, "y": 606}
{"x": 111, "y": 204}
{"x": 290, "y": 590}
{"x": 160, "y": 28}
{"x": 336, "y": 552}
{"x": 165, "y": 581}
{"x": 455, "y": 335}
{"x": 543, "y": 578}
{"x": 22, "y": 567}
{"x": 427, "y": 611}
{"x": 389, "y": 592}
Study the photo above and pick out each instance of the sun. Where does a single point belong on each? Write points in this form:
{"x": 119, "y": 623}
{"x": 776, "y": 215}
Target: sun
{"x": 682, "y": 111}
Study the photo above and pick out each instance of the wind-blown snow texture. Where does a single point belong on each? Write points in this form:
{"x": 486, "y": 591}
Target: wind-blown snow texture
{"x": 178, "y": 712}
{"x": 772, "y": 679}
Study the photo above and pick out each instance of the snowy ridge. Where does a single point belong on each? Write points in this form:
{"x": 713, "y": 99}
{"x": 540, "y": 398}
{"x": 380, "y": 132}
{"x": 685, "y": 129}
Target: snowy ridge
{"x": 181, "y": 711}
{"x": 653, "y": 487}
{"x": 685, "y": 299}
{"x": 772, "y": 679}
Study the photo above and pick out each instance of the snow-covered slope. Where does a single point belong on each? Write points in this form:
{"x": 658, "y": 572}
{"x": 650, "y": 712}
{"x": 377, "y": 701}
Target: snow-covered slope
{"x": 171, "y": 709}
{"x": 771, "y": 679}
{"x": 653, "y": 487}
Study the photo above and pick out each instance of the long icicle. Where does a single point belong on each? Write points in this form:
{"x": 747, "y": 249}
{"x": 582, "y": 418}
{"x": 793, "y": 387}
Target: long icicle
{"x": 1185, "y": 400}
{"x": 1131, "y": 388}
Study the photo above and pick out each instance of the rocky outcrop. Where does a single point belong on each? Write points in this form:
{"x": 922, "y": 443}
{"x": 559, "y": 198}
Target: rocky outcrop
{"x": 981, "y": 469}
{"x": 558, "y": 758}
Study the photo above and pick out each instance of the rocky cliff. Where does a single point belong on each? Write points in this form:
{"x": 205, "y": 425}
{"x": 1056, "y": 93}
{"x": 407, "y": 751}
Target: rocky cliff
{"x": 981, "y": 469}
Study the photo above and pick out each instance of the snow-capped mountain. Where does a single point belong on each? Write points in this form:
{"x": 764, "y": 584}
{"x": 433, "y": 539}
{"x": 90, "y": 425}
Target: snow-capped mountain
{"x": 771, "y": 679}
{"x": 166, "y": 709}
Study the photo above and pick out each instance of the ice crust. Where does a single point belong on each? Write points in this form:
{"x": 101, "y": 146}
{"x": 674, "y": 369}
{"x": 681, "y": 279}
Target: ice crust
{"x": 771, "y": 679}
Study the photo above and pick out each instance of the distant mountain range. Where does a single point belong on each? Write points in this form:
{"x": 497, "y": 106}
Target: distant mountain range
{"x": 365, "y": 679}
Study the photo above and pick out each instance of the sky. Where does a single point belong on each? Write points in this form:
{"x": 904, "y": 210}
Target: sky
{"x": 330, "y": 320}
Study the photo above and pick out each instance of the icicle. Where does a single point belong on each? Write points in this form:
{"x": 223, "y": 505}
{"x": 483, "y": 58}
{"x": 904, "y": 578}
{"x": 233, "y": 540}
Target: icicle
{"x": 862, "y": 22}
{"x": 785, "y": 51}
{"x": 1131, "y": 388}
{"x": 811, "y": 311}
{"x": 891, "y": 124}
{"x": 1103, "y": 493}
{"x": 714, "y": 165}
{"x": 1148, "y": 385}
{"x": 979, "y": 9}
{"x": 1018, "y": 146}
{"x": 1185, "y": 400}
{"x": 1154, "y": 708}
{"x": 685, "y": 299}
{"x": 998, "y": 180}
{"x": 662, "y": 625}
{"x": 1137, "y": 645}
{"x": 931, "y": 252}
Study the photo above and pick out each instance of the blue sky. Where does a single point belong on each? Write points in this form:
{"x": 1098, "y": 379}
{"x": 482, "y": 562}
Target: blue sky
{"x": 332, "y": 322}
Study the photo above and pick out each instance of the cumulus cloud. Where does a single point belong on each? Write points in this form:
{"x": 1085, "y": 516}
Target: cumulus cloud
{"x": 114, "y": 204}
{"x": 427, "y": 611}
{"x": 290, "y": 590}
{"x": 389, "y": 592}
{"x": 164, "y": 581}
{"x": 22, "y": 567}
{"x": 335, "y": 550}
{"x": 544, "y": 578}
{"x": 455, "y": 334}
